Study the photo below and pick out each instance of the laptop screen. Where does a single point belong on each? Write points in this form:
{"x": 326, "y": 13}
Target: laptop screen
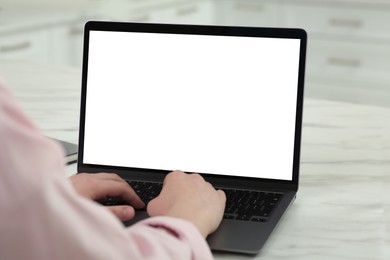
{"x": 214, "y": 104}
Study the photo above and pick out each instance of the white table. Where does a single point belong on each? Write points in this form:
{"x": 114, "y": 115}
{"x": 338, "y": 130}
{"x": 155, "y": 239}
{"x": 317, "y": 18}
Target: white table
{"x": 343, "y": 206}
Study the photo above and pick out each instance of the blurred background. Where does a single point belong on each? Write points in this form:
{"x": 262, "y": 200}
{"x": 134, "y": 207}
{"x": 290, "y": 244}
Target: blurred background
{"x": 348, "y": 40}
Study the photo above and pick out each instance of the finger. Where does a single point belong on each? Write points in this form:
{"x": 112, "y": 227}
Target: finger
{"x": 222, "y": 194}
{"x": 172, "y": 175}
{"x": 131, "y": 197}
{"x": 175, "y": 174}
{"x": 109, "y": 176}
{"x": 121, "y": 189}
{"x": 152, "y": 207}
{"x": 122, "y": 212}
{"x": 196, "y": 176}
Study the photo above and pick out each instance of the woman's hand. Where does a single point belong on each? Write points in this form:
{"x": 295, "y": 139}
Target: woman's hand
{"x": 190, "y": 197}
{"x": 98, "y": 186}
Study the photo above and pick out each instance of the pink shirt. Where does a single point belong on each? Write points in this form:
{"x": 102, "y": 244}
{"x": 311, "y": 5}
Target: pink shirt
{"x": 42, "y": 216}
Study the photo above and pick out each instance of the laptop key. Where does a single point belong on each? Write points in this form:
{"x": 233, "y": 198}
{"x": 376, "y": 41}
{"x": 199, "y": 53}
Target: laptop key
{"x": 243, "y": 217}
{"x": 228, "y": 216}
{"x": 146, "y": 190}
{"x": 257, "y": 219}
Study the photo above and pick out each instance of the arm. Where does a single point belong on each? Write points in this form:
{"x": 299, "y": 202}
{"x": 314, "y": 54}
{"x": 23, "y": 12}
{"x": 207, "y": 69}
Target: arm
{"x": 43, "y": 217}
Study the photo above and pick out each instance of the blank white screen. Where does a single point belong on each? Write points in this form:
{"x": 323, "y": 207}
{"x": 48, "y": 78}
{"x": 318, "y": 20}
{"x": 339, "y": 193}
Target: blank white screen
{"x": 208, "y": 104}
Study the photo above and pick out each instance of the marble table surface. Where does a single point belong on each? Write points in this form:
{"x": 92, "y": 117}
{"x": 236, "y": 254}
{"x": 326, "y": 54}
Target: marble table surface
{"x": 342, "y": 210}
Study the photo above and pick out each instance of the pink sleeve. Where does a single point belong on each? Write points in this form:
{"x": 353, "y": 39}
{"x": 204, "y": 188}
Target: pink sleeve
{"x": 42, "y": 217}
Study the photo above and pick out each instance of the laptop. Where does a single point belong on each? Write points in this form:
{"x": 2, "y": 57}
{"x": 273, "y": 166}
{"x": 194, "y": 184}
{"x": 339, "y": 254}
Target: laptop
{"x": 222, "y": 101}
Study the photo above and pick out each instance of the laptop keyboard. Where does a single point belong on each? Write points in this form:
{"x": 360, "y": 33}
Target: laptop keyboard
{"x": 250, "y": 205}
{"x": 244, "y": 205}
{"x": 146, "y": 190}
